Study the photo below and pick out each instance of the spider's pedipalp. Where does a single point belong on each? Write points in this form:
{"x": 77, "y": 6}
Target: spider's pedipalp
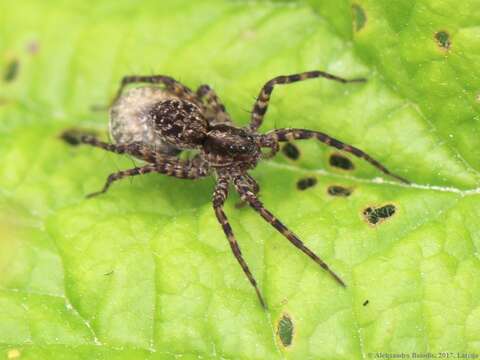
{"x": 303, "y": 134}
{"x": 219, "y": 196}
{"x": 247, "y": 195}
{"x": 261, "y": 104}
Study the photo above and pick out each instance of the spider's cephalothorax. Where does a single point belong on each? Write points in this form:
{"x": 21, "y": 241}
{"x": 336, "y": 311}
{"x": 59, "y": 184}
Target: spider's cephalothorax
{"x": 226, "y": 147}
{"x": 154, "y": 123}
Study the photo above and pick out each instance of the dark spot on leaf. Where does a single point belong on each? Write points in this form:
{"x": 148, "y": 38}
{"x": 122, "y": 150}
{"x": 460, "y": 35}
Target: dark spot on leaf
{"x": 443, "y": 39}
{"x": 108, "y": 273}
{"x": 376, "y": 215}
{"x": 291, "y": 151}
{"x": 337, "y": 190}
{"x": 303, "y": 184}
{"x": 340, "y": 161}
{"x": 285, "y": 330}
{"x": 365, "y": 303}
{"x": 359, "y": 17}
{"x": 11, "y": 71}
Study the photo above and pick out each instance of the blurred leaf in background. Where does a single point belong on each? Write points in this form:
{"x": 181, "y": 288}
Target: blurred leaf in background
{"x": 145, "y": 271}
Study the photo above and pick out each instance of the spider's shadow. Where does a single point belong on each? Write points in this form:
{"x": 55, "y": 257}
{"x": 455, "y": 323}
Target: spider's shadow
{"x": 180, "y": 194}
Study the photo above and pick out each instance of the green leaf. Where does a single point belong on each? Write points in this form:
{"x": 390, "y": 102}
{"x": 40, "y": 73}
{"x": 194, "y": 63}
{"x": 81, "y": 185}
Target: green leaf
{"x": 145, "y": 271}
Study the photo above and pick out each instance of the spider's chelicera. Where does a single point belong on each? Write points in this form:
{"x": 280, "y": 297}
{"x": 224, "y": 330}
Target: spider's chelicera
{"x": 156, "y": 122}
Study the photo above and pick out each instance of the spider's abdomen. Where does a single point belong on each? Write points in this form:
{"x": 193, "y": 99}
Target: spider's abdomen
{"x": 130, "y": 119}
{"x": 180, "y": 123}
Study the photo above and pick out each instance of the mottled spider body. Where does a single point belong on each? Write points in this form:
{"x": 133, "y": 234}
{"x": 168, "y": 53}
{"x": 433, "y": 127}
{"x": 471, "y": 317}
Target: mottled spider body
{"x": 154, "y": 118}
{"x": 130, "y": 121}
{"x": 154, "y": 123}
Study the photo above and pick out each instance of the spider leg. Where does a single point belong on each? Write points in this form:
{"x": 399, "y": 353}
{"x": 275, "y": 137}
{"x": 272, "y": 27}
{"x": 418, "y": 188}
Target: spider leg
{"x": 182, "y": 169}
{"x": 253, "y": 185}
{"x": 213, "y": 104}
{"x": 76, "y": 137}
{"x": 219, "y": 196}
{"x": 170, "y": 84}
{"x": 139, "y": 150}
{"x": 302, "y": 134}
{"x": 160, "y": 163}
{"x": 243, "y": 189}
{"x": 123, "y": 174}
{"x": 261, "y": 104}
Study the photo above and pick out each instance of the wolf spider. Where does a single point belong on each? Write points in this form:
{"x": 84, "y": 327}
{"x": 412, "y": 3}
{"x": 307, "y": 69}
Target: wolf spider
{"x": 155, "y": 122}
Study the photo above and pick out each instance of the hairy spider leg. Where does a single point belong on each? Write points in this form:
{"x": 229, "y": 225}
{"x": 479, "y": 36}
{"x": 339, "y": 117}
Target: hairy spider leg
{"x": 211, "y": 101}
{"x": 171, "y": 85}
{"x": 261, "y": 104}
{"x": 139, "y": 150}
{"x": 219, "y": 196}
{"x": 247, "y": 195}
{"x": 176, "y": 168}
{"x": 302, "y": 134}
{"x": 160, "y": 163}
{"x": 253, "y": 185}
{"x": 123, "y": 174}
{"x": 77, "y": 137}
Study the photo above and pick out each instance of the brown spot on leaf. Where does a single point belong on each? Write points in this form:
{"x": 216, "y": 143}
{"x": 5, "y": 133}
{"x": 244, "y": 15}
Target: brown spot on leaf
{"x": 11, "y": 70}
{"x": 359, "y": 17}
{"x": 291, "y": 151}
{"x": 376, "y": 215}
{"x": 443, "y": 39}
{"x": 285, "y": 330}
{"x": 339, "y": 161}
{"x": 306, "y": 183}
{"x": 337, "y": 190}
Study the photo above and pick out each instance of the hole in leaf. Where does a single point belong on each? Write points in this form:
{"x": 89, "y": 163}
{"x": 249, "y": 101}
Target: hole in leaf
{"x": 365, "y": 303}
{"x": 443, "y": 39}
{"x": 340, "y": 161}
{"x": 376, "y": 215}
{"x": 337, "y": 190}
{"x": 306, "y": 183}
{"x": 11, "y": 71}
{"x": 291, "y": 151}
{"x": 359, "y": 17}
{"x": 285, "y": 330}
